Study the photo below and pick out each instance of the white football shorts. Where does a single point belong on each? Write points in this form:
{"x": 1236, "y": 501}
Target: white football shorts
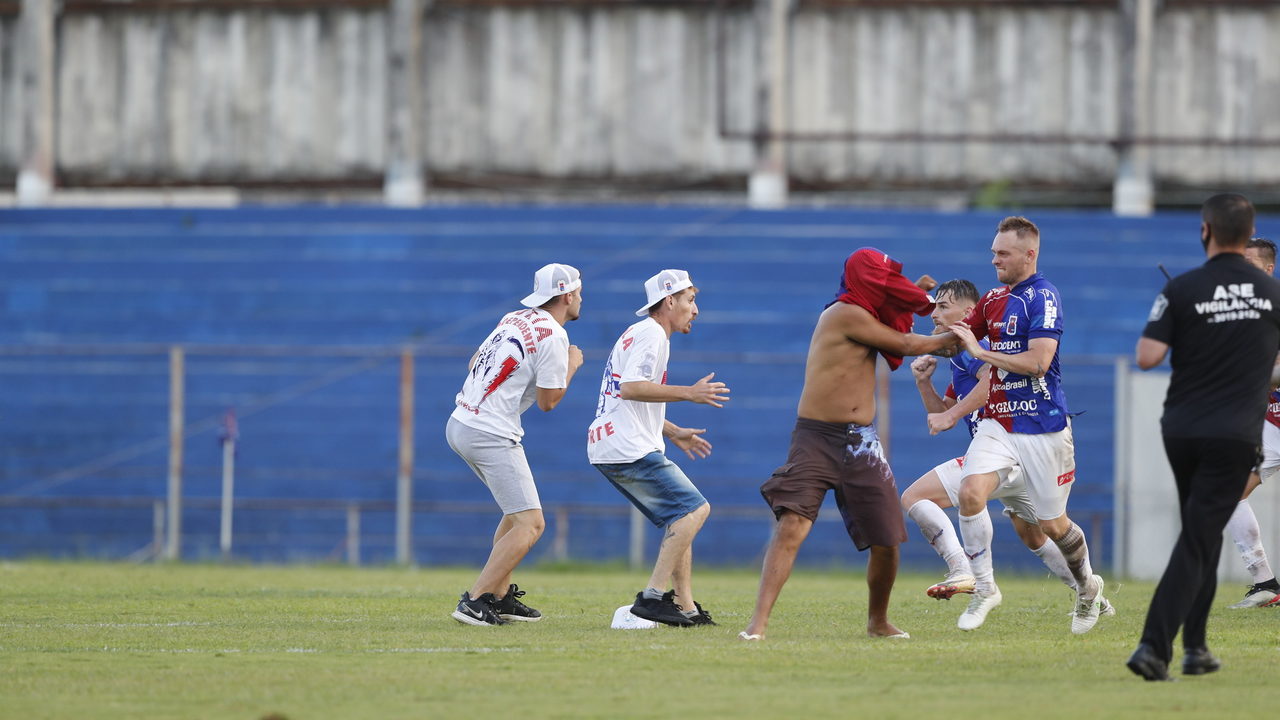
{"x": 1270, "y": 452}
{"x": 1011, "y": 491}
{"x": 1048, "y": 462}
{"x": 500, "y": 464}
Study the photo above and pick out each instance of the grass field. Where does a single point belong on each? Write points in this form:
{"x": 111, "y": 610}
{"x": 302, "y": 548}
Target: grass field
{"x": 82, "y": 640}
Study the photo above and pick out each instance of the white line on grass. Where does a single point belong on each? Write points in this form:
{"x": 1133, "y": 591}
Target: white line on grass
{"x": 263, "y": 651}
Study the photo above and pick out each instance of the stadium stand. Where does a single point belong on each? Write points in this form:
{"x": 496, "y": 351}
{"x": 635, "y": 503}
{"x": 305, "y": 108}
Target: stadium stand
{"x": 295, "y": 318}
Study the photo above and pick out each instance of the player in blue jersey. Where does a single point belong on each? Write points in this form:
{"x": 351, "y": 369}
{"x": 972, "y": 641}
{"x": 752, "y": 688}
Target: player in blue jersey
{"x": 1024, "y": 421}
{"x": 939, "y": 488}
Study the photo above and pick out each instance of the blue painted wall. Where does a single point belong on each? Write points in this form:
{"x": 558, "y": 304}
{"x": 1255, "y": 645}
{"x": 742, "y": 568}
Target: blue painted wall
{"x": 325, "y": 427}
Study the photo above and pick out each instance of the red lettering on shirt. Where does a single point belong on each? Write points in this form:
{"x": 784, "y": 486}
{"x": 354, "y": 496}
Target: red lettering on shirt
{"x": 595, "y": 433}
{"x": 626, "y": 342}
{"x": 543, "y": 333}
{"x": 1065, "y": 478}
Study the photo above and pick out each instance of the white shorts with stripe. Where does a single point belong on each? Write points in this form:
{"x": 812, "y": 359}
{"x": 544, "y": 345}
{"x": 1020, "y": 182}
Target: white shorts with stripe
{"x": 1011, "y": 491}
{"x": 1270, "y": 452}
{"x": 1048, "y": 462}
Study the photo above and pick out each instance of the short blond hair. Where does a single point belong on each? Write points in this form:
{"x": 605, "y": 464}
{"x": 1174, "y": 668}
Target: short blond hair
{"x": 1020, "y": 226}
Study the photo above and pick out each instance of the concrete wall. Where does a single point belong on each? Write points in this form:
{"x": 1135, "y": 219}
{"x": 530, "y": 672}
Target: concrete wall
{"x": 628, "y": 91}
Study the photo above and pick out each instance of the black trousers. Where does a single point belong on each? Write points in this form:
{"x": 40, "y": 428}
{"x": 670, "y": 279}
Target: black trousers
{"x": 1211, "y": 474}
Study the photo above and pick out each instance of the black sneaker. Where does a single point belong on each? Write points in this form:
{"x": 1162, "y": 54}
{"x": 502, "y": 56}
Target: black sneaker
{"x": 479, "y": 611}
{"x": 510, "y": 608}
{"x": 703, "y": 617}
{"x": 664, "y": 610}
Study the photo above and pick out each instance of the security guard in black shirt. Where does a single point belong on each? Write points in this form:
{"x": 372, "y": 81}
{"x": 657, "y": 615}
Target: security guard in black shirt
{"x": 1220, "y": 323}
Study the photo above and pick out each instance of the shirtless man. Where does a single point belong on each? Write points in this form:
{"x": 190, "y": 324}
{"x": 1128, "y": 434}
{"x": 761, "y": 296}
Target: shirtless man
{"x": 834, "y": 445}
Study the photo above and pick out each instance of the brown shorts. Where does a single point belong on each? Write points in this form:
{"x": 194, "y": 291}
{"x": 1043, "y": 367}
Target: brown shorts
{"x": 848, "y": 459}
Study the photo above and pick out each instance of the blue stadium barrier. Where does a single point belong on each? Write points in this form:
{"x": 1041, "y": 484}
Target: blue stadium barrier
{"x": 93, "y": 297}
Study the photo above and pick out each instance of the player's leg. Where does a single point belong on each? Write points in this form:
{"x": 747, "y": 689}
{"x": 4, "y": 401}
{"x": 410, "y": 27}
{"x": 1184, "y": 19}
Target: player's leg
{"x": 1049, "y": 465}
{"x": 509, "y": 548}
{"x": 868, "y": 502}
{"x": 789, "y": 534}
{"x": 794, "y": 492}
{"x": 1247, "y": 535}
{"x": 501, "y": 464}
{"x": 682, "y": 582}
{"x": 1012, "y": 493}
{"x": 924, "y": 501}
{"x": 975, "y": 527}
{"x": 882, "y": 570}
{"x": 666, "y": 496}
{"x": 675, "y": 556}
{"x": 990, "y": 455}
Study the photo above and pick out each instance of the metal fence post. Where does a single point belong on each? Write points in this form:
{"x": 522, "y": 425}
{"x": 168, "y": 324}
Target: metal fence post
{"x": 177, "y": 396}
{"x": 353, "y": 534}
{"x": 229, "y": 434}
{"x": 560, "y": 545}
{"x": 404, "y": 478}
{"x": 636, "y": 554}
{"x": 157, "y": 528}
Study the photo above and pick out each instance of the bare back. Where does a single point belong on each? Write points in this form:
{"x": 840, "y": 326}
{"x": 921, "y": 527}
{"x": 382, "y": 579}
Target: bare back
{"x": 839, "y": 374}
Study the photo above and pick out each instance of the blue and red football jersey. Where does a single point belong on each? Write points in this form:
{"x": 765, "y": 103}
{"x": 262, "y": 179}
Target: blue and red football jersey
{"x": 1011, "y": 318}
{"x": 964, "y": 377}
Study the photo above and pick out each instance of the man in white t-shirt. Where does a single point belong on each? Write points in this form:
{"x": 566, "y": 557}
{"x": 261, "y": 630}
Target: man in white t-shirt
{"x": 625, "y": 442}
{"x": 526, "y": 359}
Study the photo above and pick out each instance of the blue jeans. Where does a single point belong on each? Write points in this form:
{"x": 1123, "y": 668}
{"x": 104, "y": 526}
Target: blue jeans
{"x": 655, "y": 485}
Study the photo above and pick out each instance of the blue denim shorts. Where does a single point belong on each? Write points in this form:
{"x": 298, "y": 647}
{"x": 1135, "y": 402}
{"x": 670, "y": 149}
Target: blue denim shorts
{"x": 655, "y": 485}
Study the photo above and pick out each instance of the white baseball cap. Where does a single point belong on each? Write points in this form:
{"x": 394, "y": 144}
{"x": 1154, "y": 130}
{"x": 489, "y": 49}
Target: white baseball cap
{"x": 624, "y": 620}
{"x": 550, "y": 281}
{"x": 664, "y": 284}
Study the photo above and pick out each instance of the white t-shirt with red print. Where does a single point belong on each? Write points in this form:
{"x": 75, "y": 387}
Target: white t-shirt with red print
{"x": 626, "y": 430}
{"x": 527, "y": 350}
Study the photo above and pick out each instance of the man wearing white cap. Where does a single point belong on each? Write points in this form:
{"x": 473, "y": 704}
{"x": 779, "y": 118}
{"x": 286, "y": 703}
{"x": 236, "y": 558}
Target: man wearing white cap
{"x": 526, "y": 358}
{"x": 625, "y": 442}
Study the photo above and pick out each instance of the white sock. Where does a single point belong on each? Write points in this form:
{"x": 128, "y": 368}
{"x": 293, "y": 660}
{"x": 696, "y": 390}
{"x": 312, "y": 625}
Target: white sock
{"x": 977, "y": 534}
{"x": 1244, "y": 530}
{"x": 1076, "y": 552}
{"x": 941, "y": 534}
{"x": 1052, "y": 557}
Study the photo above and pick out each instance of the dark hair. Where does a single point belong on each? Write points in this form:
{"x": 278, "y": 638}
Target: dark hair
{"x": 1021, "y": 226}
{"x": 958, "y": 289}
{"x": 1265, "y": 248}
{"x": 1230, "y": 219}
{"x": 654, "y": 307}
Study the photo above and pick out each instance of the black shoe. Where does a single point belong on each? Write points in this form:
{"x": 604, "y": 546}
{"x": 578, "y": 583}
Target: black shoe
{"x": 1199, "y": 661}
{"x": 479, "y": 611}
{"x": 1146, "y": 663}
{"x": 703, "y": 617}
{"x": 664, "y": 610}
{"x": 510, "y": 608}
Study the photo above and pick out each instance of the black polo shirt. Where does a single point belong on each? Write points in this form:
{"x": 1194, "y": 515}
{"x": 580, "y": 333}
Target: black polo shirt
{"x": 1222, "y": 324}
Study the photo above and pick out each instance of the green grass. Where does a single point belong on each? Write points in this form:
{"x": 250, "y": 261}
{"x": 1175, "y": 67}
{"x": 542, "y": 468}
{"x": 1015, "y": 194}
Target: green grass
{"x": 82, "y": 640}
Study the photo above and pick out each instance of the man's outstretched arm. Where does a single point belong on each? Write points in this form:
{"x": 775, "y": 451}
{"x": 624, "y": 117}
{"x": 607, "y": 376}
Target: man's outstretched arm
{"x": 859, "y": 325}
